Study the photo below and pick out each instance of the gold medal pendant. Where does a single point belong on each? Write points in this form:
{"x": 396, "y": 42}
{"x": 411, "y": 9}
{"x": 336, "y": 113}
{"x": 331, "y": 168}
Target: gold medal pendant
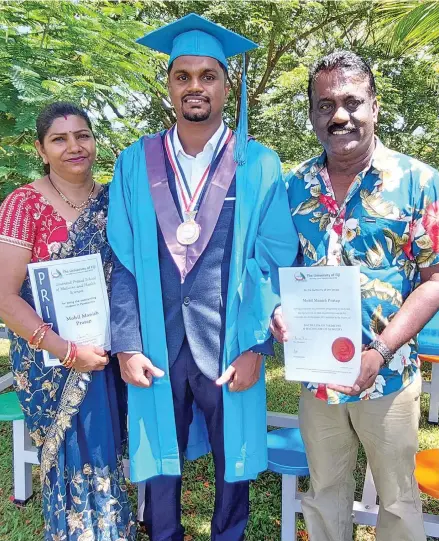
{"x": 189, "y": 231}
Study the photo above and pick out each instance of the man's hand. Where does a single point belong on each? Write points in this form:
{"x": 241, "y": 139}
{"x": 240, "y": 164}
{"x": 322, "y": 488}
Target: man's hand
{"x": 277, "y": 326}
{"x": 137, "y": 369}
{"x": 243, "y": 373}
{"x": 371, "y": 362}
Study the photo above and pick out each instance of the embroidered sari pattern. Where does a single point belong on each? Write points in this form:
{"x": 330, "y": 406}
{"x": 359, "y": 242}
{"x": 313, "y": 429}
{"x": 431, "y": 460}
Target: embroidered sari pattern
{"x": 68, "y": 413}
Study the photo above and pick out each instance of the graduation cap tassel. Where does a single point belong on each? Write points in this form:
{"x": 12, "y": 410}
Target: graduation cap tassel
{"x": 242, "y": 129}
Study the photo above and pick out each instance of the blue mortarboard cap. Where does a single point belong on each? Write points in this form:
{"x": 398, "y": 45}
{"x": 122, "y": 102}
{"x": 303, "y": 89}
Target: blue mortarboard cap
{"x": 196, "y": 36}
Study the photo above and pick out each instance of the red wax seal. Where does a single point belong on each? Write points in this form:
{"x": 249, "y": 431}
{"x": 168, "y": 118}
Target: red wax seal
{"x": 343, "y": 349}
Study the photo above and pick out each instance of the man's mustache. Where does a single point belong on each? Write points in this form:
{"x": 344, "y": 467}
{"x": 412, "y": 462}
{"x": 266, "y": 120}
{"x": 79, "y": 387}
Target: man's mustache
{"x": 195, "y": 96}
{"x": 336, "y": 127}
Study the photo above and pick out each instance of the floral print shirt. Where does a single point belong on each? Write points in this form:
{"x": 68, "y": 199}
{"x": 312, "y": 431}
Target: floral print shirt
{"x": 388, "y": 224}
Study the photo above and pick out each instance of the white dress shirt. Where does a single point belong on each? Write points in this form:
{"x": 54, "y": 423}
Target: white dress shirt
{"x": 195, "y": 166}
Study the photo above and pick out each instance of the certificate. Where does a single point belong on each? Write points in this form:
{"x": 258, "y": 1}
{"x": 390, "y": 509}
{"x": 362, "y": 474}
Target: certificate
{"x": 72, "y": 295}
{"x": 322, "y": 310}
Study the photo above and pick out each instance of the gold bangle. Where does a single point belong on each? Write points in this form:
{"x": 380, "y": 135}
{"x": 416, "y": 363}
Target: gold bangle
{"x": 69, "y": 349}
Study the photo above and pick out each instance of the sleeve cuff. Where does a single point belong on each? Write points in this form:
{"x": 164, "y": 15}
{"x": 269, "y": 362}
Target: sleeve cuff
{"x": 265, "y": 349}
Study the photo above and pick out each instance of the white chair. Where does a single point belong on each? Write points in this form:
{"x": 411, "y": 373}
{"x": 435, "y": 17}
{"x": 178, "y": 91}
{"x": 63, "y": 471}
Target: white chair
{"x": 365, "y": 512}
{"x": 25, "y": 454}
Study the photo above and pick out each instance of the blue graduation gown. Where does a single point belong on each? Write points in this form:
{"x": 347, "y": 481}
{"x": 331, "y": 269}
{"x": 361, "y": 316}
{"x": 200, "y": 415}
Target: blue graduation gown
{"x": 264, "y": 239}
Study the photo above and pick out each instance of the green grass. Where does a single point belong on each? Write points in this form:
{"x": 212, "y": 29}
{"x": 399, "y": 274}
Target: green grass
{"x": 23, "y": 524}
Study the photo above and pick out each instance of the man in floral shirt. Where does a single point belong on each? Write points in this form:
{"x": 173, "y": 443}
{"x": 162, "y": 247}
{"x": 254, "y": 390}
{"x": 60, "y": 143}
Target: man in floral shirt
{"x": 360, "y": 203}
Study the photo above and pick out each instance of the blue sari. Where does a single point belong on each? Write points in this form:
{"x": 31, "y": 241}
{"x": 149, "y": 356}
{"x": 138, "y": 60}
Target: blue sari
{"x": 77, "y": 420}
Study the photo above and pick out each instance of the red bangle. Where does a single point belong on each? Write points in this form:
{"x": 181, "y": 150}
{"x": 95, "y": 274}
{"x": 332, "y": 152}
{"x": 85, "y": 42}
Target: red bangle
{"x": 41, "y": 331}
{"x": 35, "y": 333}
{"x": 70, "y": 358}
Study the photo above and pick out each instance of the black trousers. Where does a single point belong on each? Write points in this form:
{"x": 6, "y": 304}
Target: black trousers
{"x": 162, "y": 513}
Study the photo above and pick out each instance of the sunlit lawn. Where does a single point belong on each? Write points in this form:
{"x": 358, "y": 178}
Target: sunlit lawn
{"x": 20, "y": 524}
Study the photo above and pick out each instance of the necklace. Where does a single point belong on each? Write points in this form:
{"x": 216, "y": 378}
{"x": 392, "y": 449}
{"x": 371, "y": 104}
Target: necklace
{"x": 67, "y": 200}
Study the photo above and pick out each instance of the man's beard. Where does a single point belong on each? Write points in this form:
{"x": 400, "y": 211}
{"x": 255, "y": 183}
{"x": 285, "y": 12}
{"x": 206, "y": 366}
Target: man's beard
{"x": 197, "y": 116}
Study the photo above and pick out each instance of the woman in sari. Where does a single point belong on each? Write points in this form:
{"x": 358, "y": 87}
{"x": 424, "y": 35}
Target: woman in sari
{"x": 75, "y": 412}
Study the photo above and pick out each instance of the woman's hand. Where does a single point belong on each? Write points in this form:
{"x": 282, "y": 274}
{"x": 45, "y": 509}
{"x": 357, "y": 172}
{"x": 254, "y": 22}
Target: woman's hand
{"x": 90, "y": 358}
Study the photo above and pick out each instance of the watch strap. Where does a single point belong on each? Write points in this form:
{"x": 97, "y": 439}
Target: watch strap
{"x": 383, "y": 350}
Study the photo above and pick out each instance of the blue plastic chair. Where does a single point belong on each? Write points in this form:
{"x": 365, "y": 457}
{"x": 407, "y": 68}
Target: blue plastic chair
{"x": 286, "y": 455}
{"x": 428, "y": 342}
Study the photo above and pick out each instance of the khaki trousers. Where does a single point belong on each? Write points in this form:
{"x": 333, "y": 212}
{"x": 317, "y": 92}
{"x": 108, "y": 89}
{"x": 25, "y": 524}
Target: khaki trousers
{"x": 388, "y": 429}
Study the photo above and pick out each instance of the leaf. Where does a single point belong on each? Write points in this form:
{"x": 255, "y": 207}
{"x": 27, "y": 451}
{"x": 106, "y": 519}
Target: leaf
{"x": 307, "y": 248}
{"x": 424, "y": 242}
{"x": 409, "y": 268}
{"x": 324, "y": 221}
{"x": 316, "y": 190}
{"x": 308, "y": 206}
{"x": 378, "y": 322}
{"x": 316, "y": 217}
{"x": 425, "y": 258}
{"x": 322, "y": 262}
{"x": 375, "y": 205}
{"x": 53, "y": 86}
{"x": 375, "y": 256}
{"x": 381, "y": 290}
{"x": 349, "y": 258}
{"x": 417, "y": 24}
{"x": 395, "y": 242}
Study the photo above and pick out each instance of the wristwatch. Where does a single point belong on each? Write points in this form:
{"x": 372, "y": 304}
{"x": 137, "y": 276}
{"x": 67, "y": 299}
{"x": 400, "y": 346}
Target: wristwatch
{"x": 383, "y": 350}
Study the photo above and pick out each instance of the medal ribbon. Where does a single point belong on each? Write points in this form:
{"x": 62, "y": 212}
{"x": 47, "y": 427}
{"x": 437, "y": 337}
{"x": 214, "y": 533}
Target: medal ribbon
{"x": 193, "y": 202}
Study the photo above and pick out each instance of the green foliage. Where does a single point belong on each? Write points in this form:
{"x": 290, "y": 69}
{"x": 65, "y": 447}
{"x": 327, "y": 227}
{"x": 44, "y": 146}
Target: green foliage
{"x": 414, "y": 24}
{"x": 57, "y": 50}
{"x": 85, "y": 52}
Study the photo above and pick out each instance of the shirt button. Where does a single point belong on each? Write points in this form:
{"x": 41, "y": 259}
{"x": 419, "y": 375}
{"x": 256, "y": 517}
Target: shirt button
{"x": 186, "y": 301}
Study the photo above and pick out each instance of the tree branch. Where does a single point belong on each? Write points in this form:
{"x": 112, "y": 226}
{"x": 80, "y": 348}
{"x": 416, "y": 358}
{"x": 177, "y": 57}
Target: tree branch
{"x": 271, "y": 65}
{"x": 115, "y": 109}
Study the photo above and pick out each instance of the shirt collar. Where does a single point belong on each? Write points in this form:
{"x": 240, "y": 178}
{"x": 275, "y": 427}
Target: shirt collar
{"x": 210, "y": 145}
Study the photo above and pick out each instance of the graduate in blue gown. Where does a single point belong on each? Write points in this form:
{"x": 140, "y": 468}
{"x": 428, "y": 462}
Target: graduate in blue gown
{"x": 199, "y": 223}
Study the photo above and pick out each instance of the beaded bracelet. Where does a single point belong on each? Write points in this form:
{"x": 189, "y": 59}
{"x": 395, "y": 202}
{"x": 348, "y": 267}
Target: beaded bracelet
{"x": 42, "y": 329}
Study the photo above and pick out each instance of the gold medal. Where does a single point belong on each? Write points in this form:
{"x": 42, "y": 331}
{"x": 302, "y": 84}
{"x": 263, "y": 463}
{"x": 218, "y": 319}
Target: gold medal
{"x": 189, "y": 231}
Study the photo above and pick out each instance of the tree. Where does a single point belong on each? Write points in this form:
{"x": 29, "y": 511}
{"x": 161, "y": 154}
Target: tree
{"x": 415, "y": 25}
{"x": 55, "y": 50}
{"x": 85, "y": 51}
